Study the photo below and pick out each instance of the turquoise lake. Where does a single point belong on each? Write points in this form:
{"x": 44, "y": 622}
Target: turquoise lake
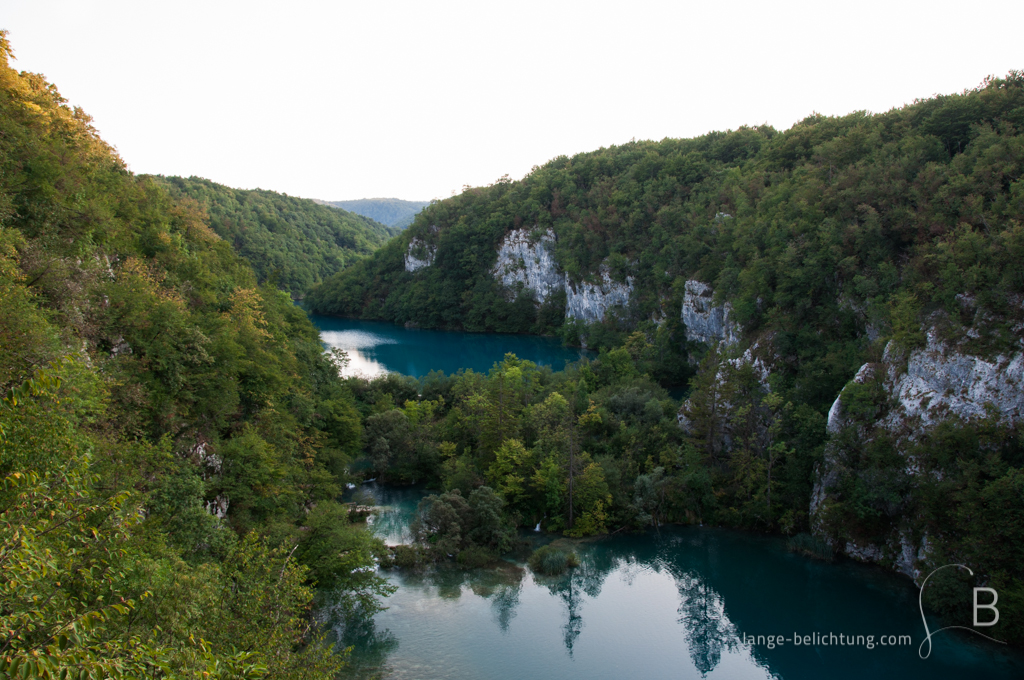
{"x": 375, "y": 347}
{"x": 675, "y": 603}
{"x": 680, "y": 602}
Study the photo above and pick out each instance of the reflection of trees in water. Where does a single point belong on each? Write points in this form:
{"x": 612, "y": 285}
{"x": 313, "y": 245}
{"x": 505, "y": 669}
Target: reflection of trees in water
{"x": 708, "y": 629}
{"x": 586, "y": 579}
{"x": 370, "y": 646}
{"x": 447, "y": 581}
{"x": 504, "y": 602}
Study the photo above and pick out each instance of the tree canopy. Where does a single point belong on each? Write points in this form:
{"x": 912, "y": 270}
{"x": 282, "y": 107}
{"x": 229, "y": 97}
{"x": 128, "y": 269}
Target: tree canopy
{"x": 292, "y": 243}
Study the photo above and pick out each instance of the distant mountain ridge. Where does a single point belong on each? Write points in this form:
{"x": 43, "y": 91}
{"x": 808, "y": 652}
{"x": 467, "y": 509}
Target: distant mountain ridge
{"x": 393, "y": 212}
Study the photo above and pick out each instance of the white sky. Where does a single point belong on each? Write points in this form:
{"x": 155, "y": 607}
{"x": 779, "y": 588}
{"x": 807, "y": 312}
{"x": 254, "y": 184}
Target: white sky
{"x": 345, "y": 100}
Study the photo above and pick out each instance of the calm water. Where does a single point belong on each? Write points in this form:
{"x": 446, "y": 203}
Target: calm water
{"x": 375, "y": 347}
{"x": 671, "y": 604}
{"x": 674, "y": 604}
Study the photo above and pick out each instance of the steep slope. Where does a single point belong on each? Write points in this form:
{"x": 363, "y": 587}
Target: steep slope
{"x": 294, "y": 242}
{"x": 166, "y": 427}
{"x": 393, "y": 212}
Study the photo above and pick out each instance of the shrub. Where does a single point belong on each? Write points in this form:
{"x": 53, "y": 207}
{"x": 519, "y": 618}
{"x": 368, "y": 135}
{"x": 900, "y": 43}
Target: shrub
{"x": 408, "y": 557}
{"x": 551, "y": 560}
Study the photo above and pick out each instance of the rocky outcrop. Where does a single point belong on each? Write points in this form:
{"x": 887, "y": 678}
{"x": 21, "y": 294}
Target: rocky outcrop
{"x": 218, "y": 507}
{"x": 589, "y": 302}
{"x": 706, "y": 322}
{"x": 940, "y": 382}
{"x": 921, "y": 389}
{"x": 530, "y": 263}
{"x": 419, "y": 255}
{"x": 902, "y": 553}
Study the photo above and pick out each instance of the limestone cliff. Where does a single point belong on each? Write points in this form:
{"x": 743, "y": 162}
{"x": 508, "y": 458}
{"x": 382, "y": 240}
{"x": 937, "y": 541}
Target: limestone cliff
{"x": 590, "y": 302}
{"x": 706, "y": 322}
{"x": 529, "y": 263}
{"x": 918, "y": 390}
{"x": 420, "y": 254}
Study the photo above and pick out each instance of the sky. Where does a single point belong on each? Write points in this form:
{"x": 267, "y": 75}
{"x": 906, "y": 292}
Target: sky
{"x": 344, "y": 100}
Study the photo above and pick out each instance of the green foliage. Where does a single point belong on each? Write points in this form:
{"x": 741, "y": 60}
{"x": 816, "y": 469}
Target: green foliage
{"x": 337, "y": 554}
{"x": 813, "y": 235}
{"x": 475, "y": 557}
{"x": 552, "y": 560}
{"x": 147, "y": 383}
{"x": 449, "y": 524}
{"x": 294, "y": 243}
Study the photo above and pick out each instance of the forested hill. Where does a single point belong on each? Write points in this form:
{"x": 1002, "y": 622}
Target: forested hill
{"x": 811, "y": 233}
{"x": 844, "y": 301}
{"x": 172, "y": 436}
{"x": 293, "y": 242}
{"x": 393, "y": 212}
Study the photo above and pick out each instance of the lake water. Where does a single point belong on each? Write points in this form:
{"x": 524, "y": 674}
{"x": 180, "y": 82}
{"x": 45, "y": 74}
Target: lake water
{"x": 375, "y": 347}
{"x": 677, "y": 603}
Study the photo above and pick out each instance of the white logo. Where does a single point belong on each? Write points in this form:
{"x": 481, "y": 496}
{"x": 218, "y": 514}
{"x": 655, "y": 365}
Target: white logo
{"x": 991, "y": 605}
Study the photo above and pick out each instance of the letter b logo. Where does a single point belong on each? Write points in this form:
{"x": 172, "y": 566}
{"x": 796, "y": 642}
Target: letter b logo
{"x": 991, "y": 605}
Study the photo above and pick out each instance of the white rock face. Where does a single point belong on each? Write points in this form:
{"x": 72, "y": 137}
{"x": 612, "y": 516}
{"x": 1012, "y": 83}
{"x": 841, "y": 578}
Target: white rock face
{"x": 867, "y": 553}
{"x": 218, "y": 507}
{"x": 589, "y": 302}
{"x": 903, "y": 555}
{"x": 412, "y": 263}
{"x": 940, "y": 382}
{"x": 704, "y": 321}
{"x": 529, "y": 263}
{"x": 935, "y": 383}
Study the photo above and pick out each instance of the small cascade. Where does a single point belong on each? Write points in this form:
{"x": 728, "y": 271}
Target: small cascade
{"x": 537, "y": 528}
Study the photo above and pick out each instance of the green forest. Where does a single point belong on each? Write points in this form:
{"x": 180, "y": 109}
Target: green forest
{"x": 393, "y": 212}
{"x": 172, "y": 435}
{"x": 828, "y": 240}
{"x": 292, "y": 243}
{"x": 174, "y": 440}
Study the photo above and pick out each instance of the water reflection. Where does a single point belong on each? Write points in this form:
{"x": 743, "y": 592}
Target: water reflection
{"x": 708, "y": 629}
{"x": 573, "y": 588}
{"x": 374, "y": 646}
{"x": 360, "y": 348}
{"x": 668, "y": 605}
{"x": 375, "y": 348}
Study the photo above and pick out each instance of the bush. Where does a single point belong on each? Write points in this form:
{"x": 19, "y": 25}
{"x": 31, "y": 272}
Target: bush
{"x": 551, "y": 560}
{"x": 408, "y": 557}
